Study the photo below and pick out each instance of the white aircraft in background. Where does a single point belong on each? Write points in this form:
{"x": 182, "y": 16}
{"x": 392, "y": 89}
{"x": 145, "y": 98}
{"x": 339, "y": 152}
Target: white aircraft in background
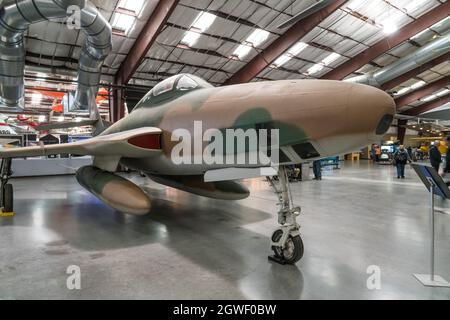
{"x": 7, "y": 132}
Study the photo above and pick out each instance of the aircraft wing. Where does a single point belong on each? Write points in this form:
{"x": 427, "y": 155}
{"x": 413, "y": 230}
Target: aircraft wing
{"x": 4, "y": 142}
{"x": 138, "y": 143}
{"x": 65, "y": 125}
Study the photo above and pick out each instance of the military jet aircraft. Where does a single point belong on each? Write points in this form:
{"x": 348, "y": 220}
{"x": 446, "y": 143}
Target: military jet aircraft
{"x": 315, "y": 119}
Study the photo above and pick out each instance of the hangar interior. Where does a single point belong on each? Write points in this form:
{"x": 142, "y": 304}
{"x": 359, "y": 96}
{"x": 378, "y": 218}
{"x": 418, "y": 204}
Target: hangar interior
{"x": 356, "y": 216}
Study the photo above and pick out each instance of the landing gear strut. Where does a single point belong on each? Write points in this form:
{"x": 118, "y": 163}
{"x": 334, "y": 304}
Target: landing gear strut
{"x": 287, "y": 243}
{"x": 6, "y": 189}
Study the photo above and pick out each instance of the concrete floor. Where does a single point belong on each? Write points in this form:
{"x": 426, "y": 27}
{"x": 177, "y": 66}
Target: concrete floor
{"x": 196, "y": 248}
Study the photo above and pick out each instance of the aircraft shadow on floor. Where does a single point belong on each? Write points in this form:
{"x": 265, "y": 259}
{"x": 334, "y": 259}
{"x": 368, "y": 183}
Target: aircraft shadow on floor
{"x": 209, "y": 233}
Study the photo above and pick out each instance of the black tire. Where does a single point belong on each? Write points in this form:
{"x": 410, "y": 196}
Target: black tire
{"x": 294, "y": 251}
{"x": 8, "y": 198}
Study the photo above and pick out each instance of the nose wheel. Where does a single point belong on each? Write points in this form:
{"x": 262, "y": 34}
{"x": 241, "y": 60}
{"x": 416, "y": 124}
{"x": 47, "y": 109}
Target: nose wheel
{"x": 291, "y": 252}
{"x": 287, "y": 243}
{"x": 6, "y": 192}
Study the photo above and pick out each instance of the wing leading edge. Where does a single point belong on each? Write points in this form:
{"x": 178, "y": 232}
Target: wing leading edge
{"x": 138, "y": 143}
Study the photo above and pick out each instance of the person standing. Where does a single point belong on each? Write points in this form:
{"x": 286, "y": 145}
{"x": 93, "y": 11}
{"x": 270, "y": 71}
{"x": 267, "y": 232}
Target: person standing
{"x": 410, "y": 152}
{"x": 317, "y": 168}
{"x": 378, "y": 153}
{"x": 447, "y": 161}
{"x": 435, "y": 156}
{"x": 372, "y": 153}
{"x": 401, "y": 158}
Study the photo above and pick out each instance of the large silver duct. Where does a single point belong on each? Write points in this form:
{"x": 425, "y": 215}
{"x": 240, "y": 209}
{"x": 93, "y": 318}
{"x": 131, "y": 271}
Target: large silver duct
{"x": 97, "y": 47}
{"x": 412, "y": 61}
{"x": 15, "y": 18}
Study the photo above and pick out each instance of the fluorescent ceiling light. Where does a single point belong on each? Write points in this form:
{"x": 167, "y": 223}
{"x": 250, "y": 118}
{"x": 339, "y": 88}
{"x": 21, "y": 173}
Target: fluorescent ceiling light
{"x": 41, "y": 76}
{"x": 36, "y": 98}
{"x": 315, "y": 69}
{"x": 190, "y": 38}
{"x": 132, "y": 5}
{"x": 123, "y": 22}
{"x": 255, "y": 39}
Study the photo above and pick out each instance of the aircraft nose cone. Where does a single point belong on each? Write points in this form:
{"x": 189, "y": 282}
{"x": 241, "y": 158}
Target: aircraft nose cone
{"x": 371, "y": 109}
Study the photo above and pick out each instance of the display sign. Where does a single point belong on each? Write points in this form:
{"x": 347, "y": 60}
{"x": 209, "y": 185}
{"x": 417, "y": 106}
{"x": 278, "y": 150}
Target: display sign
{"x": 426, "y": 173}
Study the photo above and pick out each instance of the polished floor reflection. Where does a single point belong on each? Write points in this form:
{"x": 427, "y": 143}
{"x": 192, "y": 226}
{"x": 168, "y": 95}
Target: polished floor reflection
{"x": 196, "y": 248}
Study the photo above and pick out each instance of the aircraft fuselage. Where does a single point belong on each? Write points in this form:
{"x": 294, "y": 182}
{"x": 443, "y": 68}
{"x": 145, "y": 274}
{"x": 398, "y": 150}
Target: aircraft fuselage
{"x": 331, "y": 116}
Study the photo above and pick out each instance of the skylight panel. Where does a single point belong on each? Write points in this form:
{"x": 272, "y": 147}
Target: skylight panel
{"x": 325, "y": 62}
{"x": 390, "y": 21}
{"x": 389, "y": 27}
{"x": 297, "y": 48}
{"x": 123, "y": 22}
{"x": 331, "y": 58}
{"x": 315, "y": 69}
{"x": 413, "y": 5}
{"x": 292, "y": 52}
{"x": 190, "y": 38}
{"x": 132, "y": 5}
{"x": 418, "y": 84}
{"x": 282, "y": 60}
{"x": 354, "y": 5}
{"x": 443, "y": 92}
{"x": 204, "y": 21}
{"x": 421, "y": 33}
{"x": 242, "y": 51}
{"x": 429, "y": 98}
{"x": 201, "y": 24}
{"x": 415, "y": 86}
{"x": 255, "y": 39}
{"x": 403, "y": 91}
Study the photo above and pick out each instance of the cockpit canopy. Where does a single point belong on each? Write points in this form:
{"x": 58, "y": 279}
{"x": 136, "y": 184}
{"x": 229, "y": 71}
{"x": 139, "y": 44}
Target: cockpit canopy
{"x": 173, "y": 88}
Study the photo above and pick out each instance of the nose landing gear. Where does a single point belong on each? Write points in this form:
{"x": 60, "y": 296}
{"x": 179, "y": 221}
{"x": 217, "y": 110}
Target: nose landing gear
{"x": 287, "y": 243}
{"x": 6, "y": 189}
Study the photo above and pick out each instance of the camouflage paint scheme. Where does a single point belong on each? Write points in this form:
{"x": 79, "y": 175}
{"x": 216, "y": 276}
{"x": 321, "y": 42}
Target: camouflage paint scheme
{"x": 334, "y": 117}
{"x": 113, "y": 190}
